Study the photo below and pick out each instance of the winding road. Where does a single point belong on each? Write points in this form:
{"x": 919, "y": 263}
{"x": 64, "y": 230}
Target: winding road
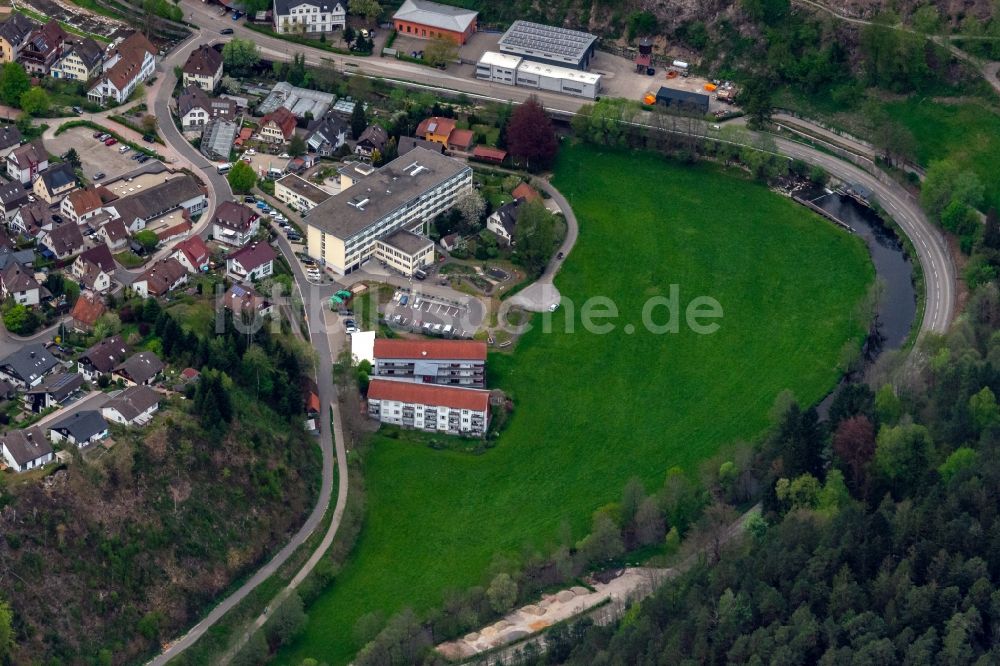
{"x": 326, "y": 334}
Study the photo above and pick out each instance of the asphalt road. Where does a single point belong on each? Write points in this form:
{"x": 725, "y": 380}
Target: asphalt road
{"x": 314, "y": 299}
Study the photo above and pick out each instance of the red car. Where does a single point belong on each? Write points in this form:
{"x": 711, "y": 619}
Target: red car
{"x": 110, "y": 142}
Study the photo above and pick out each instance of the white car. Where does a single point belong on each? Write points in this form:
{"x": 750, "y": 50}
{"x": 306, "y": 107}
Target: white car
{"x": 284, "y": 156}
{"x": 251, "y": 151}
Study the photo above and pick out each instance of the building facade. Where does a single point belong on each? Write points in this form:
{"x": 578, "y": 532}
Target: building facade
{"x": 443, "y": 362}
{"x": 303, "y": 17}
{"x": 456, "y": 411}
{"x": 430, "y": 20}
{"x": 341, "y": 233}
{"x": 299, "y": 193}
{"x": 405, "y": 251}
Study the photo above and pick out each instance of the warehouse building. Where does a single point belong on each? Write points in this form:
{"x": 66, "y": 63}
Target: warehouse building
{"x": 682, "y": 100}
{"x": 514, "y": 71}
{"x": 428, "y": 20}
{"x": 549, "y": 44}
{"x": 341, "y": 232}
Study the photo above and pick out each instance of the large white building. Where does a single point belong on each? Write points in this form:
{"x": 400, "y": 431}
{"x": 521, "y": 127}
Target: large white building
{"x": 304, "y": 17}
{"x": 446, "y": 362}
{"x": 410, "y": 191}
{"x": 457, "y": 411}
{"x": 514, "y": 71}
{"x": 130, "y": 63}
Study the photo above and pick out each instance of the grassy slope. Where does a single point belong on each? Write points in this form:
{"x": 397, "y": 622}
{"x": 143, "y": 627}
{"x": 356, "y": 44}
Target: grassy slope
{"x": 968, "y": 133}
{"x": 595, "y": 410}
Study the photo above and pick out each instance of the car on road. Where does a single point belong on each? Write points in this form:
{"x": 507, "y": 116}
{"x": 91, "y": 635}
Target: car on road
{"x": 98, "y": 175}
{"x": 110, "y": 142}
{"x": 226, "y": 31}
{"x": 559, "y": 255}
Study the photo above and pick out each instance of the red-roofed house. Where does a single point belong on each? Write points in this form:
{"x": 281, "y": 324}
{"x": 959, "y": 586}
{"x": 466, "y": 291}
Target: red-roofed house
{"x": 82, "y": 204}
{"x": 254, "y": 262}
{"x": 451, "y": 362}
{"x": 277, "y": 126}
{"x": 526, "y": 192}
{"x": 428, "y": 407}
{"x": 461, "y": 140}
{"x": 179, "y": 230}
{"x": 243, "y": 136}
{"x": 193, "y": 254}
{"x": 130, "y": 63}
{"x": 435, "y": 129}
{"x": 86, "y": 311}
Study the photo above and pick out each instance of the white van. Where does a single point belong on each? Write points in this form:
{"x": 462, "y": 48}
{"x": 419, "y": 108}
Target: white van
{"x": 224, "y": 168}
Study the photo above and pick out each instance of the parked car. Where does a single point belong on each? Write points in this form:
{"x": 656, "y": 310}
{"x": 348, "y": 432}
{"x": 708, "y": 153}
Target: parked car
{"x": 351, "y": 326}
{"x": 98, "y": 134}
{"x": 237, "y": 15}
{"x": 143, "y": 159}
{"x": 98, "y": 175}
{"x": 149, "y": 138}
{"x": 124, "y": 149}
{"x": 294, "y": 238}
{"x": 249, "y": 200}
{"x": 104, "y": 136}
{"x": 110, "y": 142}
{"x": 77, "y": 110}
{"x": 226, "y": 31}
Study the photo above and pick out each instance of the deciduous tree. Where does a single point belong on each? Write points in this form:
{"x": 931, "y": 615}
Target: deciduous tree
{"x": 240, "y": 56}
{"x": 502, "y": 593}
{"x": 370, "y": 9}
{"x": 35, "y": 102}
{"x": 440, "y": 51}
{"x": 241, "y": 177}
{"x": 14, "y": 82}
{"x": 531, "y": 138}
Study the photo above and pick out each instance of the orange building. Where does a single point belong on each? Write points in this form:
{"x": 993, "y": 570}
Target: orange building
{"x": 427, "y": 20}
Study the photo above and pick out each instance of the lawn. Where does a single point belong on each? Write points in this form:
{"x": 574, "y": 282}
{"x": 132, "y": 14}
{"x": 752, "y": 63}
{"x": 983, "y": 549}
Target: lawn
{"x": 968, "y": 133}
{"x": 593, "y": 410}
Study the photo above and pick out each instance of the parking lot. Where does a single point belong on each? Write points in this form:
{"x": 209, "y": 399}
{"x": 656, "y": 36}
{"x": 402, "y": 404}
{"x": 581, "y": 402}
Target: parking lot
{"x": 95, "y": 157}
{"x": 420, "y": 312}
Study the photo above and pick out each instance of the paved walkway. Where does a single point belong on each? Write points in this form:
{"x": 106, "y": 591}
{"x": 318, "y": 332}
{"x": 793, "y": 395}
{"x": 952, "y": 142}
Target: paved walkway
{"x": 93, "y": 400}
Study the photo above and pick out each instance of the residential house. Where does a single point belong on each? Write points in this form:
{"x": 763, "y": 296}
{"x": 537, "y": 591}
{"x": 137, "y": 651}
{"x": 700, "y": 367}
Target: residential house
{"x": 10, "y": 138}
{"x": 83, "y": 204}
{"x": 54, "y": 390}
{"x": 408, "y": 143}
{"x": 18, "y": 283}
{"x": 503, "y": 220}
{"x": 43, "y": 47}
{"x": 12, "y": 196}
{"x": 373, "y": 138}
{"x": 80, "y": 428}
{"x": 27, "y": 366}
{"x": 133, "y": 406}
{"x": 26, "y": 449}
{"x": 203, "y": 68}
{"x": 253, "y": 262}
{"x": 86, "y": 311}
{"x": 13, "y": 35}
{"x": 435, "y": 129}
{"x": 526, "y": 192}
{"x": 135, "y": 210}
{"x": 175, "y": 231}
{"x": 102, "y": 358}
{"x": 447, "y": 362}
{"x": 305, "y": 17}
{"x": 129, "y": 63}
{"x": 94, "y": 269}
{"x": 461, "y": 140}
{"x": 81, "y": 60}
{"x": 196, "y": 108}
{"x": 115, "y": 234}
{"x": 55, "y": 182}
{"x": 24, "y": 163}
{"x": 430, "y": 20}
{"x": 160, "y": 278}
{"x": 9, "y": 254}
{"x": 277, "y": 126}
{"x": 299, "y": 193}
{"x": 450, "y": 242}
{"x": 243, "y": 300}
{"x": 193, "y": 254}
{"x": 327, "y": 135}
{"x": 142, "y": 368}
{"x": 449, "y": 409}
{"x": 235, "y": 224}
{"x": 63, "y": 240}
{"x": 32, "y": 218}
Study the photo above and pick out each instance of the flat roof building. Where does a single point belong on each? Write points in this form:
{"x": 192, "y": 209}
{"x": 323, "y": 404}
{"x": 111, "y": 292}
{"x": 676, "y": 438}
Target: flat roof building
{"x": 549, "y": 44}
{"x": 405, "y": 194}
{"x": 497, "y": 67}
{"x": 405, "y": 251}
{"x": 558, "y": 79}
{"x": 299, "y": 193}
{"x": 446, "y": 362}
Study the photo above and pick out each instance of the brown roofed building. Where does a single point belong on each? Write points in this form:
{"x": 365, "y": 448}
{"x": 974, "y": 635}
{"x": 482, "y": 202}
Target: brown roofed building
{"x": 18, "y": 283}
{"x": 26, "y": 449}
{"x": 43, "y": 48}
{"x": 277, "y": 126}
{"x": 235, "y": 224}
{"x": 13, "y": 35}
{"x": 83, "y": 204}
{"x": 102, "y": 358}
{"x": 135, "y": 406}
{"x": 203, "y": 68}
{"x": 63, "y": 240}
{"x": 193, "y": 254}
{"x": 141, "y": 368}
{"x": 435, "y": 129}
{"x": 24, "y": 163}
{"x": 129, "y": 63}
{"x": 526, "y": 192}
{"x": 86, "y": 311}
{"x": 461, "y": 140}
{"x": 160, "y": 278}
{"x": 115, "y": 234}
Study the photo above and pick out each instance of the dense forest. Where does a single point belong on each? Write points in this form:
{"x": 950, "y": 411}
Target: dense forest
{"x": 880, "y": 542}
{"x": 107, "y": 557}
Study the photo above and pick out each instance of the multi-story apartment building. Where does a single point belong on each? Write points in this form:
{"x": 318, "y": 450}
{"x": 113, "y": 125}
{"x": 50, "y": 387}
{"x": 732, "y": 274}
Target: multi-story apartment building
{"x": 299, "y": 193}
{"x": 404, "y": 194}
{"x": 303, "y": 17}
{"x": 457, "y": 411}
{"x": 13, "y": 36}
{"x": 446, "y": 362}
{"x": 81, "y": 60}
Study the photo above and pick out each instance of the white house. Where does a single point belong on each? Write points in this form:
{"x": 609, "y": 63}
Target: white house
{"x": 82, "y": 204}
{"x": 80, "y": 429}
{"x": 193, "y": 254}
{"x": 26, "y": 449}
{"x": 300, "y": 17}
{"x": 130, "y": 63}
{"x": 81, "y": 60}
{"x": 18, "y": 283}
{"x": 133, "y": 406}
{"x": 235, "y": 224}
{"x": 253, "y": 262}
{"x": 25, "y": 162}
{"x": 203, "y": 68}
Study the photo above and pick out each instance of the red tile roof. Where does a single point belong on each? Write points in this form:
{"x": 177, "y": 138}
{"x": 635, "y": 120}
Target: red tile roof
{"x": 526, "y": 192}
{"x": 461, "y": 138}
{"x": 435, "y": 125}
{"x": 88, "y": 309}
{"x": 487, "y": 153}
{"x": 194, "y": 249}
{"x": 252, "y": 256}
{"x": 471, "y": 350}
{"x": 283, "y": 118}
{"x": 429, "y": 394}
{"x": 133, "y": 53}
{"x": 177, "y": 230}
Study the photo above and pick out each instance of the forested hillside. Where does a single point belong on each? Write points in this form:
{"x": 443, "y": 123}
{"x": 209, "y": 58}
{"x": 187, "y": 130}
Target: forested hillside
{"x": 103, "y": 560}
{"x": 881, "y": 543}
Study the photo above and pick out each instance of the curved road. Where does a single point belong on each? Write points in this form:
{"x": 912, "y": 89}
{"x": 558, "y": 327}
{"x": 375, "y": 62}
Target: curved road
{"x": 932, "y": 250}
